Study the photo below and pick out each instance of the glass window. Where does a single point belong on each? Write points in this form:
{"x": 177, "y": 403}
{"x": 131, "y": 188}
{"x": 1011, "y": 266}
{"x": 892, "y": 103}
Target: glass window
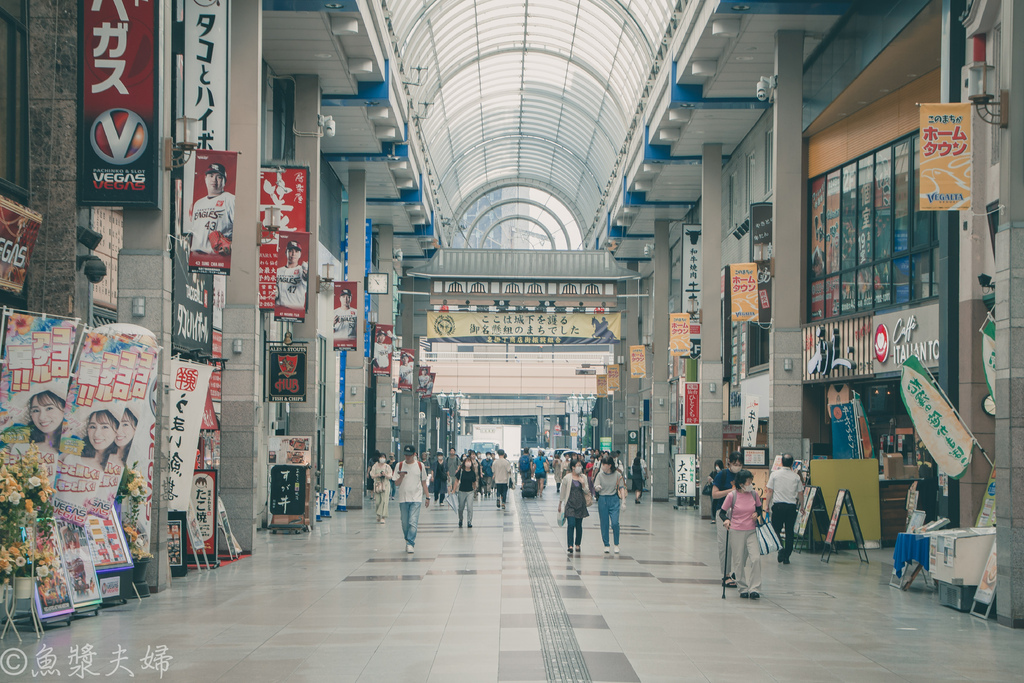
{"x": 865, "y": 209}
{"x": 849, "y": 292}
{"x": 921, "y": 275}
{"x": 832, "y": 297}
{"x": 818, "y": 228}
{"x": 865, "y": 293}
{"x": 883, "y": 204}
{"x": 883, "y": 284}
{"x": 901, "y": 280}
{"x": 769, "y": 151}
{"x": 13, "y": 98}
{"x": 848, "y": 220}
{"x": 901, "y": 205}
{"x": 832, "y": 199}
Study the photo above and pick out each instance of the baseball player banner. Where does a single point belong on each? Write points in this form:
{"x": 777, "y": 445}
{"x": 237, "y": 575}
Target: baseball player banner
{"x": 34, "y": 385}
{"x": 210, "y": 219}
{"x": 285, "y": 190}
{"x": 268, "y": 270}
{"x": 345, "y": 316}
{"x": 405, "y": 364}
{"x": 190, "y": 383}
{"x": 430, "y": 385}
{"x": 101, "y": 416}
{"x": 292, "y": 276}
{"x": 383, "y": 347}
{"x": 423, "y": 380}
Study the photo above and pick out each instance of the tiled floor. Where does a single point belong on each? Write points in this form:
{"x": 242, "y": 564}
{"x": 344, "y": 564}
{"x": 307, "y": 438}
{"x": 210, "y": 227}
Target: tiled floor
{"x": 345, "y": 603}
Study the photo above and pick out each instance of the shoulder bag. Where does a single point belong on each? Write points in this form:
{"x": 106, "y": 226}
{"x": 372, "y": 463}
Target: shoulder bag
{"x": 768, "y": 541}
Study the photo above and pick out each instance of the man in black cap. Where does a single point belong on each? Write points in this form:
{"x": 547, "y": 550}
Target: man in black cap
{"x": 293, "y": 278}
{"x": 411, "y": 477}
{"x": 213, "y": 216}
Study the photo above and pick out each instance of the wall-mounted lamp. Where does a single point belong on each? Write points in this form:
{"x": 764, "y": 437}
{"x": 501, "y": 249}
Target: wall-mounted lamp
{"x": 272, "y": 218}
{"x": 178, "y": 151}
{"x": 712, "y": 387}
{"x": 632, "y": 411}
{"x": 325, "y": 281}
{"x": 354, "y": 390}
{"x": 661, "y": 403}
{"x": 138, "y": 307}
{"x": 236, "y": 346}
{"x": 787, "y": 364}
{"x": 980, "y": 87}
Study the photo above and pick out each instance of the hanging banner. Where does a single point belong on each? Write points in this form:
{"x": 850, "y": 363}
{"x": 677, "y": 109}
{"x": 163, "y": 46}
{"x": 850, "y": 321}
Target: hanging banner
{"x": 423, "y": 380}
{"x": 191, "y": 307}
{"x": 113, "y": 374}
{"x": 691, "y": 403}
{"x": 750, "y": 412}
{"x": 430, "y": 385}
{"x": 34, "y": 385}
{"x": 283, "y": 191}
{"x": 679, "y": 334}
{"x": 292, "y": 277}
{"x": 743, "y": 291}
{"x": 286, "y": 373}
{"x": 524, "y": 328}
{"x": 209, "y": 223}
{"x": 407, "y": 357}
{"x": 383, "y": 346}
{"x": 614, "y": 381}
{"x": 638, "y": 362}
{"x": 987, "y": 514}
{"x": 204, "y": 508}
{"x": 692, "y": 270}
{"x": 988, "y": 355}
{"x": 947, "y": 439}
{"x": 944, "y": 176}
{"x": 118, "y": 149}
{"x": 267, "y": 286}
{"x": 205, "y": 76}
{"x": 761, "y": 239}
{"x": 19, "y": 227}
{"x": 345, "y": 315}
{"x": 845, "y": 436}
{"x": 190, "y": 383}
{"x": 602, "y": 386}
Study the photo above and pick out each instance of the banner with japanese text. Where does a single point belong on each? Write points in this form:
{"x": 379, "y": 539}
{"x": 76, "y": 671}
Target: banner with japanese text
{"x": 845, "y": 436}
{"x": 524, "y": 328}
{"x": 602, "y": 386}
{"x": 19, "y": 227}
{"x": 407, "y": 358}
{"x": 614, "y": 378}
{"x": 691, "y": 403}
{"x": 204, "y": 502}
{"x": 292, "y": 276}
{"x": 205, "y": 73}
{"x": 34, "y": 384}
{"x": 944, "y": 175}
{"x": 119, "y": 134}
{"x": 638, "y": 362}
{"x": 938, "y": 425}
{"x": 679, "y": 334}
{"x": 101, "y": 418}
{"x": 190, "y": 383}
{"x": 346, "y": 311}
{"x": 210, "y": 211}
{"x": 750, "y": 421}
{"x": 267, "y": 283}
{"x": 743, "y": 291}
{"x": 383, "y": 347}
{"x": 283, "y": 198}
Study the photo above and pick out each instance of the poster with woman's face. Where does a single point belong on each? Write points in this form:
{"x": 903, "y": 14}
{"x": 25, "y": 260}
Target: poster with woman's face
{"x": 34, "y": 385}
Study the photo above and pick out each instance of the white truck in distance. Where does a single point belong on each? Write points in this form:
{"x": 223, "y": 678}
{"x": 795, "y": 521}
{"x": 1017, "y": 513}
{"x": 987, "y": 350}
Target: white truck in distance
{"x": 492, "y": 437}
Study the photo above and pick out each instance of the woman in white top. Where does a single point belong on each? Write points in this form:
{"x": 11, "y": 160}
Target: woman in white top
{"x": 381, "y": 473}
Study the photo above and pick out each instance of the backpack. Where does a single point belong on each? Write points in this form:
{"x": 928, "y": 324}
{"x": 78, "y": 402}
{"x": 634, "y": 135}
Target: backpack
{"x": 524, "y": 463}
{"x": 638, "y": 470}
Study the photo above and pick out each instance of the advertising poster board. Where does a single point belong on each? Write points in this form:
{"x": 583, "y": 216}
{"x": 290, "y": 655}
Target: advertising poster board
{"x": 691, "y": 403}
{"x": 614, "y": 378}
{"x": 383, "y": 348}
{"x": 638, "y": 362}
{"x": 833, "y": 522}
{"x": 191, "y": 307}
{"x": 210, "y": 222}
{"x": 78, "y": 563}
{"x": 679, "y": 334}
{"x": 176, "y": 543}
{"x": 524, "y": 328}
{"x": 204, "y": 509}
{"x": 267, "y": 286}
{"x": 405, "y": 366}
{"x": 602, "y": 386}
{"x": 53, "y": 592}
{"x": 686, "y": 475}
{"x": 284, "y": 190}
{"x": 345, "y": 315}
{"x": 19, "y": 227}
{"x": 944, "y": 176}
{"x": 286, "y": 373}
{"x": 292, "y": 277}
{"x": 743, "y": 292}
{"x": 290, "y": 450}
{"x": 288, "y": 490}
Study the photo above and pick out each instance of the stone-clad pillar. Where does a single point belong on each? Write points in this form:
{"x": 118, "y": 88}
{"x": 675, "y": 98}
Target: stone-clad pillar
{"x": 355, "y": 363}
{"x": 662, "y": 478}
{"x": 632, "y": 405}
{"x": 785, "y": 387}
{"x": 385, "y": 316}
{"x": 408, "y": 405}
{"x": 710, "y": 371}
{"x": 243, "y": 462}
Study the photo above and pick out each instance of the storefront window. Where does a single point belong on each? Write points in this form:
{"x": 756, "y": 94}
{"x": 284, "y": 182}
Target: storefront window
{"x": 870, "y": 247}
{"x": 13, "y": 99}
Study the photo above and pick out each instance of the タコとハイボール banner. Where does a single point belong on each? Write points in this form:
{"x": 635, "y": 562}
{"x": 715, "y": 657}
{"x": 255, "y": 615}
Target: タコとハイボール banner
{"x": 945, "y": 436}
{"x": 524, "y": 328}
{"x": 944, "y": 175}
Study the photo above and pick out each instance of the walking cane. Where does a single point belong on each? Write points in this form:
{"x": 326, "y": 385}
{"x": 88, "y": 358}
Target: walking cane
{"x": 725, "y": 566}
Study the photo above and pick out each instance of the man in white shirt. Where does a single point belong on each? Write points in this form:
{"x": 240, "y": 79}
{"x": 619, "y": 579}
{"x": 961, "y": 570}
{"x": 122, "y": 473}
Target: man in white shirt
{"x": 785, "y": 489}
{"x": 411, "y": 477}
{"x": 293, "y": 279}
{"x": 213, "y": 216}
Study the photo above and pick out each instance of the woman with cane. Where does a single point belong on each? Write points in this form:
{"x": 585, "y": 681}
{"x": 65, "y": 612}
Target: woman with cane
{"x": 743, "y": 506}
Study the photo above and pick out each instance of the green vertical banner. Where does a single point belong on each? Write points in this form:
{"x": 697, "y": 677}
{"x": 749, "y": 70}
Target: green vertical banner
{"x": 988, "y": 355}
{"x": 943, "y": 433}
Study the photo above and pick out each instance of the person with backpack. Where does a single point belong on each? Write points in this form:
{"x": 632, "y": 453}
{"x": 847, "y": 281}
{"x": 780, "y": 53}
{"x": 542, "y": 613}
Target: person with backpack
{"x": 381, "y": 474}
{"x": 638, "y": 474}
{"x": 540, "y": 473}
{"x": 486, "y": 473}
{"x": 739, "y": 514}
{"x": 525, "y": 471}
{"x": 411, "y": 477}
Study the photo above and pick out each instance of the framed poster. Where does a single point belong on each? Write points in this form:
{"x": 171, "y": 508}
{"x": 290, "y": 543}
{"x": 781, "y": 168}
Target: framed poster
{"x": 686, "y": 475}
{"x": 288, "y": 490}
{"x": 286, "y": 373}
{"x": 176, "y": 543}
{"x": 107, "y": 542}
{"x": 755, "y": 457}
{"x": 53, "y": 592}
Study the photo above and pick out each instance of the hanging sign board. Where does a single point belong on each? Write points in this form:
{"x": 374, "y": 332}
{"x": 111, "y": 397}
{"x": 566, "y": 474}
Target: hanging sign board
{"x": 19, "y": 227}
{"x": 405, "y": 366}
{"x": 602, "y": 386}
{"x": 691, "y": 403}
{"x": 750, "y": 421}
{"x": 210, "y": 222}
{"x": 383, "y": 347}
{"x": 944, "y": 176}
{"x": 292, "y": 277}
{"x": 679, "y": 334}
{"x": 345, "y": 315}
{"x": 638, "y": 362}
{"x": 614, "y": 382}
{"x": 743, "y": 292}
{"x": 286, "y": 373}
{"x": 524, "y": 328}
{"x": 190, "y": 384}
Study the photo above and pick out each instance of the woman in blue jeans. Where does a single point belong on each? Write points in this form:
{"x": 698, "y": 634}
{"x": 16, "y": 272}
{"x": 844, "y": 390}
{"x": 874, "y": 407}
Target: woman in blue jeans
{"x": 611, "y": 498}
{"x": 575, "y": 497}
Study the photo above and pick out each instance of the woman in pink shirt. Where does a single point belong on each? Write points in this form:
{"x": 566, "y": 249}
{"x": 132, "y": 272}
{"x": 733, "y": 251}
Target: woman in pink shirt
{"x": 739, "y": 514}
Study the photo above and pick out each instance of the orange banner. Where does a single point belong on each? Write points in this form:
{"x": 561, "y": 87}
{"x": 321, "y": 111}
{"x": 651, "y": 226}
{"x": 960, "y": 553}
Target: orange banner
{"x": 614, "y": 383}
{"x": 637, "y": 362}
{"x": 743, "y": 291}
{"x": 679, "y": 334}
{"x": 944, "y": 178}
{"x": 602, "y": 386}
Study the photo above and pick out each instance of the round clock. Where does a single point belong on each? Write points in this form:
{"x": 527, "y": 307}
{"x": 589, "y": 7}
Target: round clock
{"x": 989, "y": 406}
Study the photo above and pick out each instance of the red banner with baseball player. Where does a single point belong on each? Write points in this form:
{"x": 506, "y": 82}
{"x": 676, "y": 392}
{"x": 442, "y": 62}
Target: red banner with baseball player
{"x": 112, "y": 376}
{"x": 19, "y": 228}
{"x": 34, "y": 385}
{"x": 405, "y": 364}
{"x": 118, "y": 149}
{"x": 423, "y": 383}
{"x": 346, "y": 314}
{"x": 210, "y": 217}
{"x": 383, "y": 347}
{"x": 292, "y": 276}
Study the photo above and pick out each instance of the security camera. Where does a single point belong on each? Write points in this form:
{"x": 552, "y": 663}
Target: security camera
{"x": 763, "y": 84}
{"x": 93, "y": 267}
{"x": 329, "y": 127}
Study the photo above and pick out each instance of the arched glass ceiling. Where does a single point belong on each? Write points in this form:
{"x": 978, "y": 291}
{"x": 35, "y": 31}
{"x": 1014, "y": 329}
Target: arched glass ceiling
{"x": 538, "y": 92}
{"x": 518, "y": 218}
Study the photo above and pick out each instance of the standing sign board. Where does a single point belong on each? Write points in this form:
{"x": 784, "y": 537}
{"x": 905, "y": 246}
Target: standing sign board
{"x": 833, "y": 522}
{"x": 176, "y": 542}
{"x": 286, "y": 373}
{"x": 750, "y": 420}
{"x": 204, "y": 505}
{"x": 118, "y": 151}
{"x": 686, "y": 475}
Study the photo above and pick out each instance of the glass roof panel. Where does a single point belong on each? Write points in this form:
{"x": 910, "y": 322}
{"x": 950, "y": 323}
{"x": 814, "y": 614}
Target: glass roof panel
{"x": 538, "y": 90}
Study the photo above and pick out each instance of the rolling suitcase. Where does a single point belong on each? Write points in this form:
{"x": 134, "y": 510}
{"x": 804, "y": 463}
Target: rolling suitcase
{"x": 530, "y": 488}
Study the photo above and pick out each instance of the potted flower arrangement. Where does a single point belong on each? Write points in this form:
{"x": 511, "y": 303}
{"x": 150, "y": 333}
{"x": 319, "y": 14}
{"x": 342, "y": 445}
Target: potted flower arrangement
{"x": 25, "y": 503}
{"x": 132, "y": 492}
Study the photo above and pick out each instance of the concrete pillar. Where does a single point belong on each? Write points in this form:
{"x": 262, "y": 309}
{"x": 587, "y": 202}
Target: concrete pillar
{"x": 303, "y": 419}
{"x": 408, "y": 405}
{"x": 1009, "y": 312}
{"x": 712, "y": 392}
{"x": 385, "y": 316}
{"x": 785, "y": 392}
{"x": 354, "y": 453}
{"x": 243, "y": 462}
{"x": 632, "y": 404}
{"x": 661, "y": 285}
